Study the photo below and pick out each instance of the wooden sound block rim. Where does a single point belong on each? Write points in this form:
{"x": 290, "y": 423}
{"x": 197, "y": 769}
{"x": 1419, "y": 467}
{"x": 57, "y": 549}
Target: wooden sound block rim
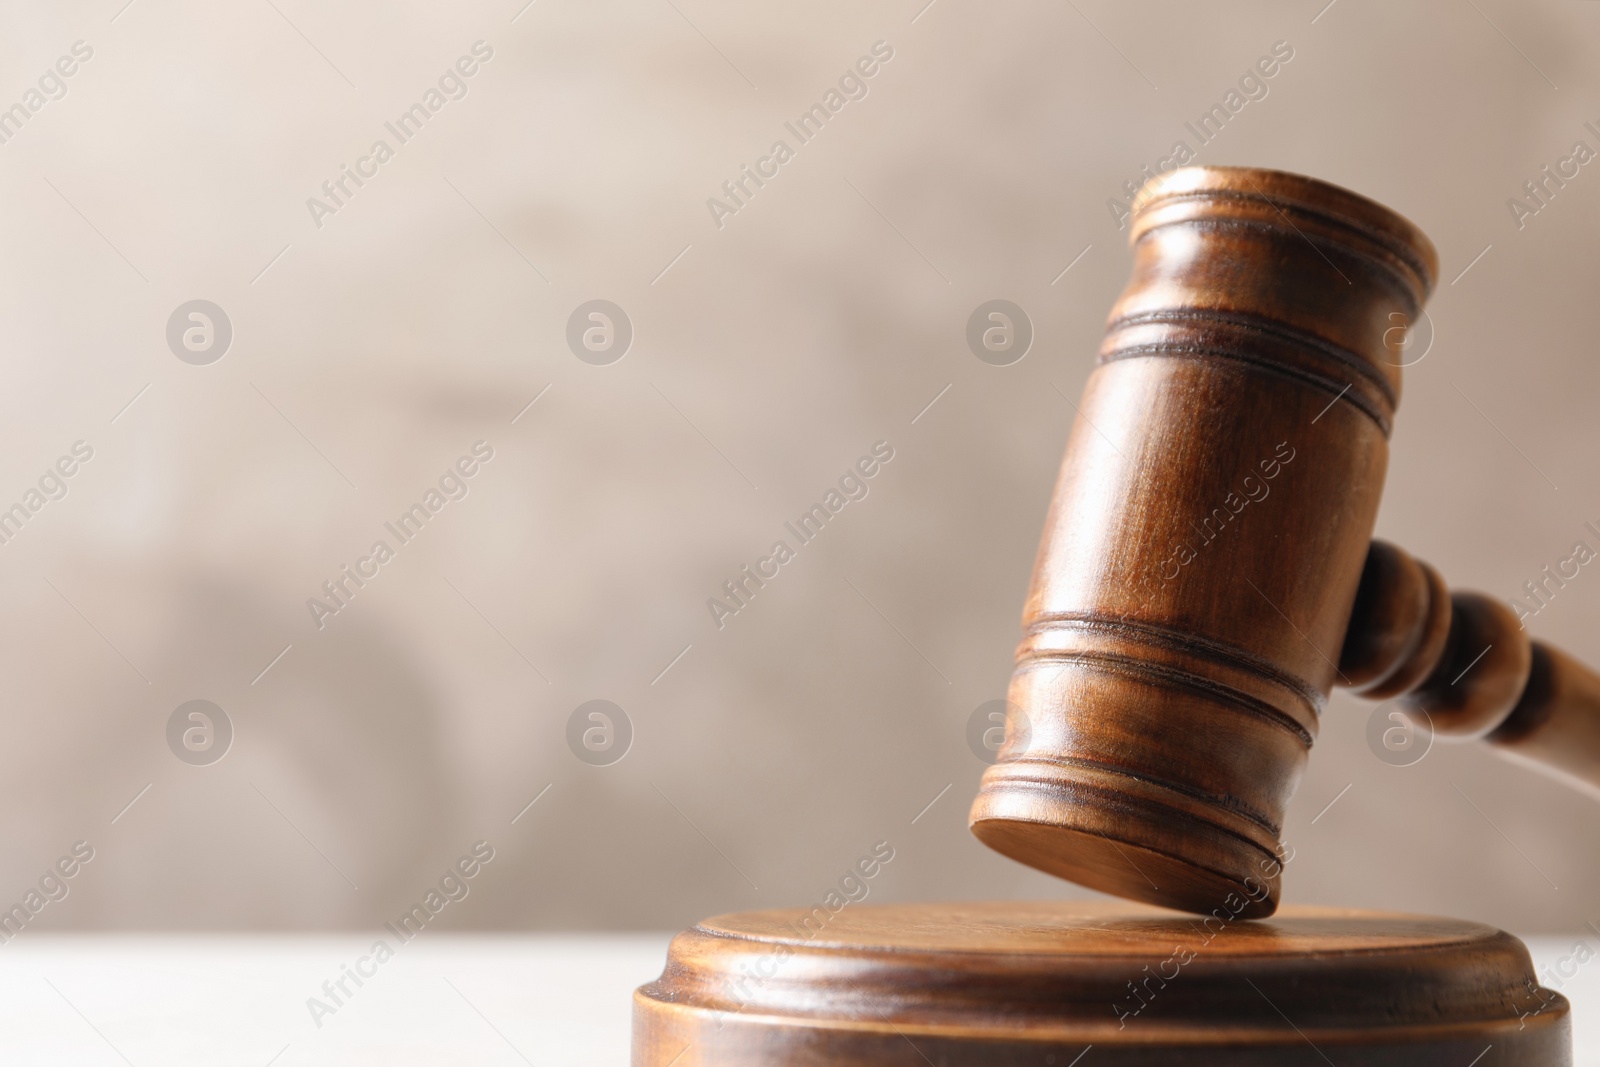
{"x": 1002, "y": 983}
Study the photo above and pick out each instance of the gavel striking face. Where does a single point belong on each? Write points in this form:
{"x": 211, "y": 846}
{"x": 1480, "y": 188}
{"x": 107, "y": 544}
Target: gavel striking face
{"x": 1207, "y": 573}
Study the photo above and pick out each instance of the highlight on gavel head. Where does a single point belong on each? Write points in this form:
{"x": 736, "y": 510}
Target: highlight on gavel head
{"x": 1206, "y": 539}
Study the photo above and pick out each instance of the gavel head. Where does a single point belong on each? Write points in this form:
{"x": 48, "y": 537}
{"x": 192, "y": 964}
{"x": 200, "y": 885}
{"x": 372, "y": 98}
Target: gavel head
{"x": 1204, "y": 546}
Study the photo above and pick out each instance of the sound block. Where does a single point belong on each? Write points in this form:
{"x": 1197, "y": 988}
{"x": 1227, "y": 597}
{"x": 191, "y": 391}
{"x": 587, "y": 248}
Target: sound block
{"x": 1006, "y": 984}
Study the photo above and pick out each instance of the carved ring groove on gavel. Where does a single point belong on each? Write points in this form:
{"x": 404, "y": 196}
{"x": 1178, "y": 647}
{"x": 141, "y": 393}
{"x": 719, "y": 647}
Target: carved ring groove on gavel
{"x": 1207, "y": 572}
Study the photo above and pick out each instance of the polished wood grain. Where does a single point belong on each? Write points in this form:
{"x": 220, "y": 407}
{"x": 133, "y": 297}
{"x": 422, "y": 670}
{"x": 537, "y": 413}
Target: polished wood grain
{"x": 1464, "y": 667}
{"x": 1007, "y": 984}
{"x": 1207, "y": 574}
{"x": 1207, "y": 537}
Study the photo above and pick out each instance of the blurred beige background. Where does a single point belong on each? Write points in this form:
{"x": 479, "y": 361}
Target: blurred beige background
{"x": 369, "y": 352}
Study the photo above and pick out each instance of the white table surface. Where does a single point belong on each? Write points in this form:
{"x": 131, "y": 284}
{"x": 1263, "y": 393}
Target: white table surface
{"x": 241, "y": 1001}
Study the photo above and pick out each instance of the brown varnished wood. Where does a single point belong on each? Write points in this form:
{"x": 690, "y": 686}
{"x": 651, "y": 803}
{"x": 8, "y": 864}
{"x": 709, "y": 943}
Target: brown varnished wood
{"x": 1399, "y": 624}
{"x": 1007, "y": 984}
{"x": 1207, "y": 538}
{"x": 1207, "y": 573}
{"x": 1468, "y": 670}
{"x": 1205, "y": 578}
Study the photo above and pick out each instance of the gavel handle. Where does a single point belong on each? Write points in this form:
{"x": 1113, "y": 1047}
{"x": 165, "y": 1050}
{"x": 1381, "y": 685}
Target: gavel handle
{"x": 1465, "y": 660}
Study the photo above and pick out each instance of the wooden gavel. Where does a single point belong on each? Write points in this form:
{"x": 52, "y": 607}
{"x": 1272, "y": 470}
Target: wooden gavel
{"x": 1207, "y": 572}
